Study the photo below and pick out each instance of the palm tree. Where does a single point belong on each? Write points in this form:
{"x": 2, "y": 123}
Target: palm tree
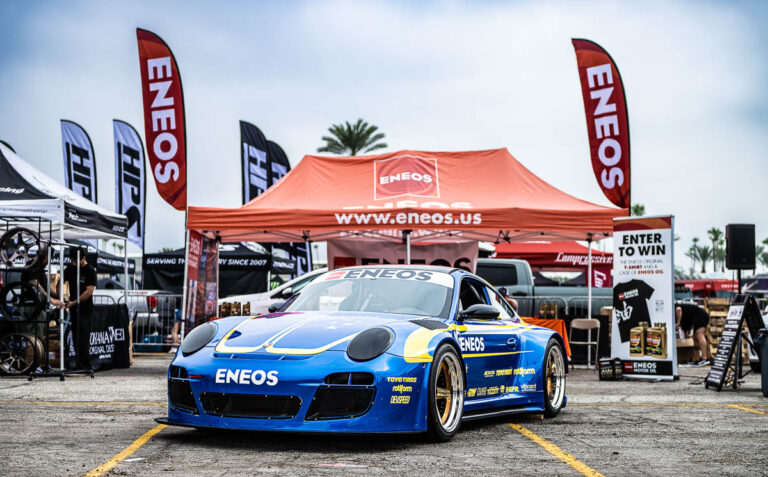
{"x": 720, "y": 254}
{"x": 350, "y": 139}
{"x": 715, "y": 235}
{"x": 693, "y": 254}
{"x": 704, "y": 254}
{"x": 638, "y": 210}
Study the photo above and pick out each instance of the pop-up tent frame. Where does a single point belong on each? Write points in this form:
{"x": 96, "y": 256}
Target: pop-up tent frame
{"x": 28, "y": 195}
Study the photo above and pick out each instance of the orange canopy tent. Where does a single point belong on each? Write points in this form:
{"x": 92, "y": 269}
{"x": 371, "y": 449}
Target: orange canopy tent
{"x": 441, "y": 196}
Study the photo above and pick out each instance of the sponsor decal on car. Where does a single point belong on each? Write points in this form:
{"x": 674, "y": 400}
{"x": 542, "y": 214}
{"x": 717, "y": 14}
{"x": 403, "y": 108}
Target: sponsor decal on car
{"x": 255, "y": 377}
{"x": 524, "y": 371}
{"x": 402, "y": 379}
{"x": 528, "y": 387}
{"x": 471, "y": 343}
{"x": 489, "y": 374}
{"x": 504, "y": 372}
{"x": 471, "y": 392}
{"x": 400, "y": 400}
{"x": 399, "y": 388}
{"x": 437, "y": 278}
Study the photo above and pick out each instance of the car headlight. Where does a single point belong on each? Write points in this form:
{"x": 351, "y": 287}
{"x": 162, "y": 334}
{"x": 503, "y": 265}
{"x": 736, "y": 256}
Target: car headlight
{"x": 198, "y": 337}
{"x": 370, "y": 344}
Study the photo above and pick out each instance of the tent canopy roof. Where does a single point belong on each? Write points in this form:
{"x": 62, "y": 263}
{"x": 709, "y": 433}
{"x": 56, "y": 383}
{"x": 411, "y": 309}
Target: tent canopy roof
{"x": 485, "y": 195}
{"x": 26, "y": 192}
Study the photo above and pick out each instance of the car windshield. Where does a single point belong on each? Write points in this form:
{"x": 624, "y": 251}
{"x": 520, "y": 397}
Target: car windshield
{"x": 378, "y": 290}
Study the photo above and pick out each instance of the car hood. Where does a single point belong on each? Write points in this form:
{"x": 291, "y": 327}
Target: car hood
{"x": 301, "y": 333}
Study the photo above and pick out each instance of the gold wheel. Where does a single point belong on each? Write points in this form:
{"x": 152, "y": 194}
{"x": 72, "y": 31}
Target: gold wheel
{"x": 449, "y": 392}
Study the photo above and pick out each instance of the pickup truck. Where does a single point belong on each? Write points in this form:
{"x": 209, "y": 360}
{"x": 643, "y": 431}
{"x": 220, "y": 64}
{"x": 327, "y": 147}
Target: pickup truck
{"x": 516, "y": 276}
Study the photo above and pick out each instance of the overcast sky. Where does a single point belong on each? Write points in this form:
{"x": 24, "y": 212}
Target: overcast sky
{"x": 435, "y": 76}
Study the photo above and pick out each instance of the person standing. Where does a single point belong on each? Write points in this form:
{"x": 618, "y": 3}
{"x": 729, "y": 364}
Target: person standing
{"x": 81, "y": 314}
{"x": 693, "y": 318}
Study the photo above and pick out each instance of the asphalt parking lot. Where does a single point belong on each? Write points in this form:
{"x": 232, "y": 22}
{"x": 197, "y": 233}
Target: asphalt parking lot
{"x": 105, "y": 426}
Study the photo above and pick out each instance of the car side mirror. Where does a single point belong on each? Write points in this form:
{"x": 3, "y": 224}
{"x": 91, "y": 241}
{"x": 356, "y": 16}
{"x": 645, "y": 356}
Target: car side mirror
{"x": 479, "y": 311}
{"x": 287, "y": 292}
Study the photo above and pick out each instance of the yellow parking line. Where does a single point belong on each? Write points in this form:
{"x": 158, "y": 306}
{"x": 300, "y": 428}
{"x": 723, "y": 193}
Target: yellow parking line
{"x": 106, "y": 466}
{"x": 557, "y": 452}
{"x": 86, "y": 403}
{"x": 736, "y": 406}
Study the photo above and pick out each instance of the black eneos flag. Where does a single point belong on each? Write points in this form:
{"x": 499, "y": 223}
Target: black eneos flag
{"x": 255, "y": 166}
{"x": 278, "y": 162}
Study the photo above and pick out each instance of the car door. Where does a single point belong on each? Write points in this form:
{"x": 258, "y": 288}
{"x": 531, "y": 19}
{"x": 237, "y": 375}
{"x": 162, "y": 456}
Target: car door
{"x": 511, "y": 329}
{"x": 487, "y": 356}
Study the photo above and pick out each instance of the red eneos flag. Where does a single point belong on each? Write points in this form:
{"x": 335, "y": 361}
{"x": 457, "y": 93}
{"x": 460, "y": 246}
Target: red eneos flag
{"x": 163, "y": 118}
{"x": 607, "y": 124}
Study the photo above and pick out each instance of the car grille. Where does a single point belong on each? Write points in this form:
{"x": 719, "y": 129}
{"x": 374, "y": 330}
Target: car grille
{"x": 340, "y": 402}
{"x": 180, "y": 395}
{"x": 256, "y": 406}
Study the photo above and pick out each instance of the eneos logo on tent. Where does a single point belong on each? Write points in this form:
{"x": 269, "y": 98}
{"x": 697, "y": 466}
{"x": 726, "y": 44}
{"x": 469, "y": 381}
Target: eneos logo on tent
{"x": 405, "y": 175}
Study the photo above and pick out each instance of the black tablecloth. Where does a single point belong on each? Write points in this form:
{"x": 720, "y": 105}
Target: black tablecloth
{"x": 108, "y": 345}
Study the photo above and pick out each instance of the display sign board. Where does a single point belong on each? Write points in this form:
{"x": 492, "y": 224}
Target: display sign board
{"x": 349, "y": 253}
{"x": 743, "y": 308}
{"x": 643, "y": 334}
{"x": 202, "y": 278}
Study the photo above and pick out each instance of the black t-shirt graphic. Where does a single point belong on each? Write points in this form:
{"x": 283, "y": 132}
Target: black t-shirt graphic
{"x": 630, "y": 305}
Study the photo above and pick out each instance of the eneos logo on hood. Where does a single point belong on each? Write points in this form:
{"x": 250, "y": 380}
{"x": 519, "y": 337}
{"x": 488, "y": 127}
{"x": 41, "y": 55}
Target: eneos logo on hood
{"x": 405, "y": 175}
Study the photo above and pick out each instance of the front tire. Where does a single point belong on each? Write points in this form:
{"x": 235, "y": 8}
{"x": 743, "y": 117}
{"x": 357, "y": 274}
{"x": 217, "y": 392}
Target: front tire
{"x": 553, "y": 372}
{"x": 446, "y": 394}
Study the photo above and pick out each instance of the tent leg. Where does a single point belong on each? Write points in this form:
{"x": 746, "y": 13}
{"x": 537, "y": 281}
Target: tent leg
{"x": 407, "y": 234}
{"x": 589, "y": 297}
{"x": 61, "y": 297}
{"x": 125, "y": 271}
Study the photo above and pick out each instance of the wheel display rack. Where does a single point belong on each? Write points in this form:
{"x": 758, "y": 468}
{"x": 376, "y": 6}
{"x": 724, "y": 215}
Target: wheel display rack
{"x": 24, "y": 241}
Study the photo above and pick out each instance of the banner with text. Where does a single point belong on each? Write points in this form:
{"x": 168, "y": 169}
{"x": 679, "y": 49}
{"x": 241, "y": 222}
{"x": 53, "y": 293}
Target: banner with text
{"x": 164, "y": 127}
{"x": 278, "y": 162}
{"x": 202, "y": 278}
{"x": 130, "y": 180}
{"x": 643, "y": 333}
{"x": 349, "y": 253}
{"x": 79, "y": 161}
{"x": 255, "y": 167}
{"x": 607, "y": 123}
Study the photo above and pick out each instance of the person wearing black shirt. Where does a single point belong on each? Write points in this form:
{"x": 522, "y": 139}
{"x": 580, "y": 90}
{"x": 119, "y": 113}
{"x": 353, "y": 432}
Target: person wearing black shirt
{"x": 81, "y": 315}
{"x": 693, "y": 317}
{"x": 630, "y": 305}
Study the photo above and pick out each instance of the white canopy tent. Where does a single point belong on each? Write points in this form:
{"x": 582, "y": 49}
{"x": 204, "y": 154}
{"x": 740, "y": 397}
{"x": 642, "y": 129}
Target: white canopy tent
{"x": 28, "y": 196}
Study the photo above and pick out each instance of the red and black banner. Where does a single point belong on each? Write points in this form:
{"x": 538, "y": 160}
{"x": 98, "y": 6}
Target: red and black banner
{"x": 607, "y": 122}
{"x": 164, "y": 125}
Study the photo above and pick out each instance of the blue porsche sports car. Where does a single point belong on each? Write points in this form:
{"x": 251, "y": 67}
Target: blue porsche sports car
{"x": 380, "y": 349}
